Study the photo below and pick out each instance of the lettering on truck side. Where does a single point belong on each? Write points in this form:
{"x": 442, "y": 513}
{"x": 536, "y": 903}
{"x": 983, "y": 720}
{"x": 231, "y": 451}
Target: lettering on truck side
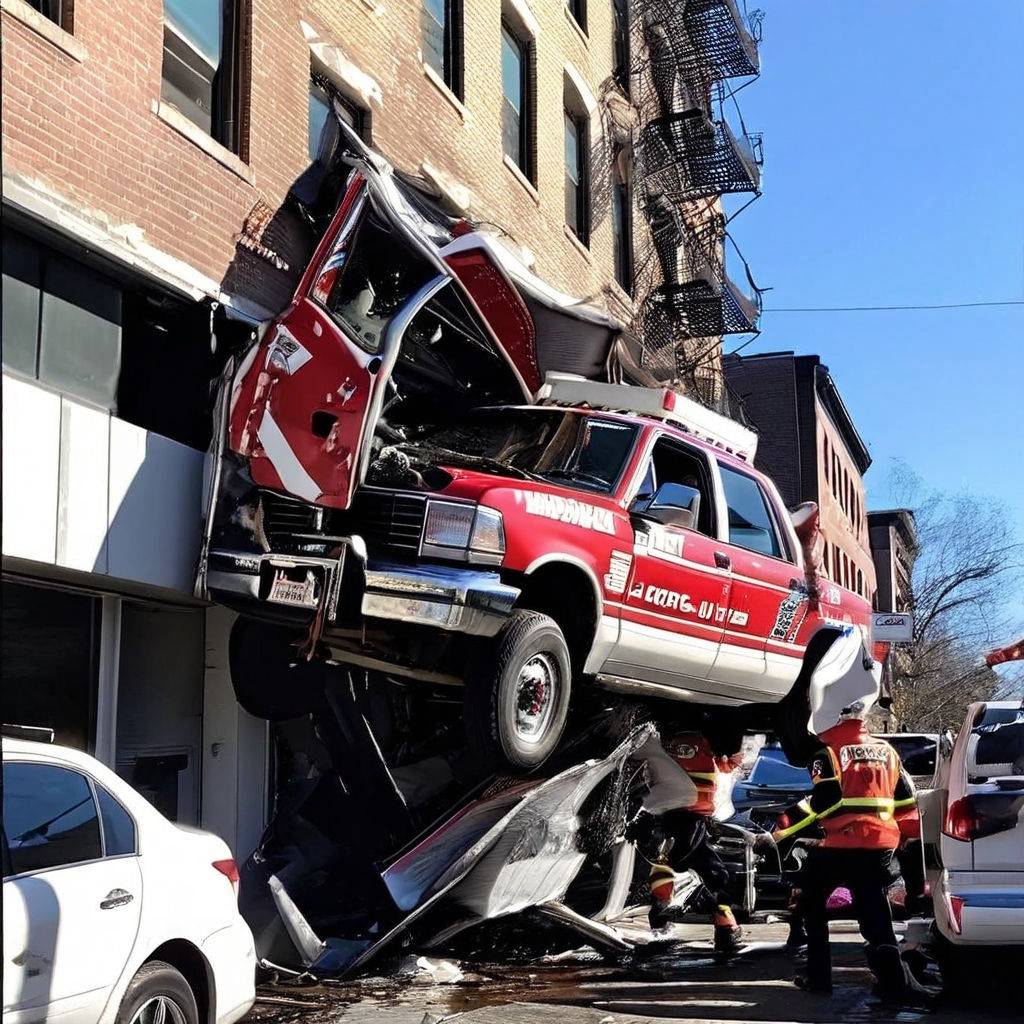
{"x": 569, "y": 510}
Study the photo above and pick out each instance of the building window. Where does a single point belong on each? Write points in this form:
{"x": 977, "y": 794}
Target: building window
{"x": 860, "y": 582}
{"x": 577, "y": 173}
{"x": 622, "y": 44}
{"x": 517, "y": 102}
{"x": 824, "y": 456}
{"x": 58, "y": 11}
{"x": 202, "y": 65}
{"x": 622, "y": 234}
{"x": 824, "y": 561}
{"x": 442, "y": 41}
{"x": 322, "y": 130}
{"x": 578, "y": 9}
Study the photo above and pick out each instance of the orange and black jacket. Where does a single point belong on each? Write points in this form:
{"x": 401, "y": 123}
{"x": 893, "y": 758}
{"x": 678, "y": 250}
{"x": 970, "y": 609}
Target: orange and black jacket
{"x": 862, "y": 797}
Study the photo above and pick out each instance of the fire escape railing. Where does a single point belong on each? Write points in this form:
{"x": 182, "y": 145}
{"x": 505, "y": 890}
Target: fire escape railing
{"x": 685, "y": 152}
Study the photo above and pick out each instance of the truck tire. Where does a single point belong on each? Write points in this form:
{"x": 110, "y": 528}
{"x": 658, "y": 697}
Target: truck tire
{"x": 269, "y": 681}
{"x": 516, "y": 698}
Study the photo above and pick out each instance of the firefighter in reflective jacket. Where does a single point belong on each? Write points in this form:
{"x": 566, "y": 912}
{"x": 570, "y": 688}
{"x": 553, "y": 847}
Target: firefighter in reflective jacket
{"x": 861, "y": 807}
{"x": 684, "y": 835}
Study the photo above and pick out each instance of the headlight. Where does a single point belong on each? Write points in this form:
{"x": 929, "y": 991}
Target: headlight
{"x": 448, "y": 525}
{"x": 464, "y": 532}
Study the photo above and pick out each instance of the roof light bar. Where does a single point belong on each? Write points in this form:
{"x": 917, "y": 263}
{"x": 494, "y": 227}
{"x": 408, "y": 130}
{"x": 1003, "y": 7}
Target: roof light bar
{"x": 658, "y": 403}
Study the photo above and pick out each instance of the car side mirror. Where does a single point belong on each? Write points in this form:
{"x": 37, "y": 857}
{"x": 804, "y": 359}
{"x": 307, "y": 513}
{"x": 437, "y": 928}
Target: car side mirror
{"x": 671, "y": 505}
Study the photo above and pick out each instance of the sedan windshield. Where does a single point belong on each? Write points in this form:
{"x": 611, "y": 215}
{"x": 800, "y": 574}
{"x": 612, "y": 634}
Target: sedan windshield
{"x": 579, "y": 451}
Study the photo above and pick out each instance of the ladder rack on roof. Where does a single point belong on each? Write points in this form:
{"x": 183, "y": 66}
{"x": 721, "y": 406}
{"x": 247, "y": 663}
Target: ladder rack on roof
{"x": 658, "y": 403}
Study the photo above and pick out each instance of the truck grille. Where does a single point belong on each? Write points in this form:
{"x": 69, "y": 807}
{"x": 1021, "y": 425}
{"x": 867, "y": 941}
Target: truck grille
{"x": 393, "y": 522}
{"x": 388, "y": 522}
{"x": 284, "y": 517}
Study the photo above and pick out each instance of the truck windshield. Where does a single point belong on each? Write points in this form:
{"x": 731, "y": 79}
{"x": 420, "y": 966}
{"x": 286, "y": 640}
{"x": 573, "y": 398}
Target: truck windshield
{"x": 579, "y": 451}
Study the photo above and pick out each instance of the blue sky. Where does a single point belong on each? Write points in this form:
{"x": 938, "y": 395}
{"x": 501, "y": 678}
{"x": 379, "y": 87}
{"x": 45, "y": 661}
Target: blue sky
{"x": 894, "y": 174}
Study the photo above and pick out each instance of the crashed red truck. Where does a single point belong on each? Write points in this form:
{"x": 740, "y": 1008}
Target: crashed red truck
{"x": 396, "y": 487}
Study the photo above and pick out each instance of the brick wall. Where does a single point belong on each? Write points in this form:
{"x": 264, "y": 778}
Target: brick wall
{"x": 846, "y": 529}
{"x": 89, "y": 129}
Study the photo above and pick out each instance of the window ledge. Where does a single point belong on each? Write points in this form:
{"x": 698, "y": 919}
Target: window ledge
{"x": 517, "y": 173}
{"x": 580, "y": 247}
{"x": 577, "y": 27}
{"x": 210, "y": 146}
{"x": 438, "y": 83}
{"x": 49, "y": 30}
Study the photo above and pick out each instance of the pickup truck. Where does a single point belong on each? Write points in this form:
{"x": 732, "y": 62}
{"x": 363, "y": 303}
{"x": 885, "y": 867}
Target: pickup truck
{"x": 394, "y": 487}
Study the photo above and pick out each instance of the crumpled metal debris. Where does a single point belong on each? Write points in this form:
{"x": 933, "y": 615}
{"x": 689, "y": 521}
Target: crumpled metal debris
{"x": 518, "y": 847}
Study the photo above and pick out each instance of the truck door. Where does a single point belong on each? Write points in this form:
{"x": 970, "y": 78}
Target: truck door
{"x": 760, "y": 656}
{"x": 304, "y": 407}
{"x": 677, "y": 595}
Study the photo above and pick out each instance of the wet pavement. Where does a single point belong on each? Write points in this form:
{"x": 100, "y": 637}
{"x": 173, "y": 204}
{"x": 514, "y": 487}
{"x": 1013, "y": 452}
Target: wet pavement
{"x": 676, "y": 980}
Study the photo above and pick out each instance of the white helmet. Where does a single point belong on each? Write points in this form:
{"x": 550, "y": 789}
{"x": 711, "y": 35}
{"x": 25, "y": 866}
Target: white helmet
{"x": 845, "y": 683}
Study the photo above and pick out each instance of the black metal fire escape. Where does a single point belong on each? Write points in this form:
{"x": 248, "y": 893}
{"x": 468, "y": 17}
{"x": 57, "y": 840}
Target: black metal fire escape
{"x": 686, "y": 157}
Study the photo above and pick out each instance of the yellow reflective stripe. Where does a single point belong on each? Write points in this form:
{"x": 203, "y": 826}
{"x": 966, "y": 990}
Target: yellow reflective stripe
{"x": 710, "y": 776}
{"x": 810, "y": 816}
{"x": 880, "y": 803}
{"x": 828, "y": 810}
{"x": 909, "y": 802}
{"x": 833, "y": 778}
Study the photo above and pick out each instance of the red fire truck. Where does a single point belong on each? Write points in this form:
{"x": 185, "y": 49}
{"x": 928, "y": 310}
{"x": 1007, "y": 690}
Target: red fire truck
{"x": 395, "y": 486}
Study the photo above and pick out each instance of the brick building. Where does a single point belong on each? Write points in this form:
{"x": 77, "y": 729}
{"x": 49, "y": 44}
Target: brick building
{"x": 148, "y": 148}
{"x": 809, "y": 445}
{"x": 894, "y": 548}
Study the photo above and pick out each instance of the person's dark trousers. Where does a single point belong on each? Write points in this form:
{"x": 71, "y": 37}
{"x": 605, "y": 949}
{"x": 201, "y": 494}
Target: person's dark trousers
{"x": 693, "y": 850}
{"x": 866, "y": 874}
{"x": 911, "y": 860}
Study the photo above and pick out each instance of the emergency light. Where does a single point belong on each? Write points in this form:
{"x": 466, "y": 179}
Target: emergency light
{"x": 657, "y": 403}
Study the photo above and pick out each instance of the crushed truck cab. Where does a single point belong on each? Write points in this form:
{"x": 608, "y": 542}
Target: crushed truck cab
{"x": 395, "y": 487}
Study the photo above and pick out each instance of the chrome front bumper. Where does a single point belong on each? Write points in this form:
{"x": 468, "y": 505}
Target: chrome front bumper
{"x": 455, "y": 599}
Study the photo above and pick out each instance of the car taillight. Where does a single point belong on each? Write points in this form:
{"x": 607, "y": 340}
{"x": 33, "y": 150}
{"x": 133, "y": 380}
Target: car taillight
{"x": 956, "y": 909}
{"x": 229, "y": 869}
{"x": 982, "y": 814}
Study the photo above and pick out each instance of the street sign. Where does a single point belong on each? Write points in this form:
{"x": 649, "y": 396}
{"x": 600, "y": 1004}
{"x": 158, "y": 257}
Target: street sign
{"x": 894, "y": 627}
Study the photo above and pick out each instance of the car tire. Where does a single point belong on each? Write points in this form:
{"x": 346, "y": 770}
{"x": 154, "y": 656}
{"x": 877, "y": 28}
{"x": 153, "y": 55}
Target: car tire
{"x": 269, "y": 680}
{"x": 527, "y": 660}
{"x": 157, "y": 984}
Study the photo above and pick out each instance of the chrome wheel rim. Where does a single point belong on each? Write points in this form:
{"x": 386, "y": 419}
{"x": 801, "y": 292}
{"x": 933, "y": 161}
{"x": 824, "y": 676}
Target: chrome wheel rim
{"x": 159, "y": 1010}
{"x": 536, "y": 689}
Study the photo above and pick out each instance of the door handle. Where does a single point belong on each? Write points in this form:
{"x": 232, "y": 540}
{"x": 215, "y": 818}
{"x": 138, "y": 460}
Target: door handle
{"x": 722, "y": 560}
{"x": 116, "y": 898}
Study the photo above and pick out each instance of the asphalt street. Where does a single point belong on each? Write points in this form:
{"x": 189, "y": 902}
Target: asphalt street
{"x": 677, "y": 980}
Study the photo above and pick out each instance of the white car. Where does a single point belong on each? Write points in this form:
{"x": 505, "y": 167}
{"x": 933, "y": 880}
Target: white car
{"x": 978, "y": 804}
{"x": 111, "y": 913}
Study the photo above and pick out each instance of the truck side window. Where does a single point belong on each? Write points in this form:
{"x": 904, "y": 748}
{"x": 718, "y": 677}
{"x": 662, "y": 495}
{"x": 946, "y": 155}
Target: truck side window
{"x": 672, "y": 463}
{"x": 750, "y": 522}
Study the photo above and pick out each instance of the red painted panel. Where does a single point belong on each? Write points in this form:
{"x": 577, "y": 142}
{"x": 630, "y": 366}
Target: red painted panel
{"x": 503, "y": 309}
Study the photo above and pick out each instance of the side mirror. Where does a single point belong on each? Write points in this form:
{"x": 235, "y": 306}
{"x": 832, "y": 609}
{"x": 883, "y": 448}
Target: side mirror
{"x": 671, "y": 505}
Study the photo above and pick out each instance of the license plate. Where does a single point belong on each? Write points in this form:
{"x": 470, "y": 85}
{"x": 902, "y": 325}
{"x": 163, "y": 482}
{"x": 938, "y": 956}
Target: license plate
{"x": 304, "y": 592}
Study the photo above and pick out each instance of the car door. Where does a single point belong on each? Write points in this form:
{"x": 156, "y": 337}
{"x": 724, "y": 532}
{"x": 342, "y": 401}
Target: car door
{"x": 305, "y": 404}
{"x": 761, "y": 648}
{"x": 71, "y": 913}
{"x": 678, "y": 594}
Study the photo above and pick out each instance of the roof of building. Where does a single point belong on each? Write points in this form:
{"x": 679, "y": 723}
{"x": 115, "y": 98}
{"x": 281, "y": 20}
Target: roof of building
{"x": 901, "y": 518}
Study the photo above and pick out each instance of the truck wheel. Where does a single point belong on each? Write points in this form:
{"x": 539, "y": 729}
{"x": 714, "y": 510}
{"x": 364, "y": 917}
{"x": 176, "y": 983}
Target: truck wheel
{"x": 517, "y": 692}
{"x": 268, "y": 679}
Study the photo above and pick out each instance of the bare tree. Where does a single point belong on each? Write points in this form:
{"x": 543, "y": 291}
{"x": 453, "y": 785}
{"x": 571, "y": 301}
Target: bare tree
{"x": 967, "y": 586}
